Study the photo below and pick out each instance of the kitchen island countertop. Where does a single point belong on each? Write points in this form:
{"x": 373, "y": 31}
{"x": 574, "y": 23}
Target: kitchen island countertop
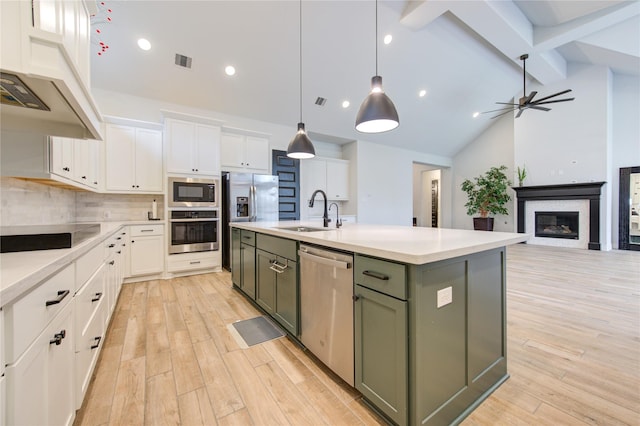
{"x": 413, "y": 245}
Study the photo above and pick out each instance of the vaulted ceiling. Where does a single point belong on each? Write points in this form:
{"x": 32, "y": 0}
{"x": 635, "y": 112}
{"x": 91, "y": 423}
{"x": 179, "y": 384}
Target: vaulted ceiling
{"x": 465, "y": 54}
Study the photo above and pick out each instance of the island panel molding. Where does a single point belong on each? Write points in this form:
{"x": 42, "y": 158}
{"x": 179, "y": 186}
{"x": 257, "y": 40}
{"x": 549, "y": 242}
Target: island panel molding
{"x": 574, "y": 191}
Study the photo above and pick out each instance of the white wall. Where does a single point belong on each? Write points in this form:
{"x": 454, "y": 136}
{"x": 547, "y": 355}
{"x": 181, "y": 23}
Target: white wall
{"x": 492, "y": 148}
{"x": 626, "y": 136}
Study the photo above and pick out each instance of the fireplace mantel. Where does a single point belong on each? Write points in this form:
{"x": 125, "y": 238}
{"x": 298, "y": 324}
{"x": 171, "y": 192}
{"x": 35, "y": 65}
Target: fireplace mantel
{"x": 571, "y": 191}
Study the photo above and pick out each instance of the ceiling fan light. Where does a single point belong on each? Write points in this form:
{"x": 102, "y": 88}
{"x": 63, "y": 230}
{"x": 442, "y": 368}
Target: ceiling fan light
{"x": 377, "y": 113}
{"x": 301, "y": 146}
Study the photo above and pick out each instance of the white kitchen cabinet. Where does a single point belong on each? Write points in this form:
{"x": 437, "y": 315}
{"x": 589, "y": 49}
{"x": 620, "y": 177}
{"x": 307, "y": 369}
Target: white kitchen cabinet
{"x": 62, "y": 152}
{"x": 146, "y": 249}
{"x": 47, "y": 44}
{"x": 185, "y": 262}
{"x": 76, "y": 160}
{"x": 330, "y": 175}
{"x": 248, "y": 153}
{"x": 40, "y": 383}
{"x": 193, "y": 148}
{"x": 133, "y": 159}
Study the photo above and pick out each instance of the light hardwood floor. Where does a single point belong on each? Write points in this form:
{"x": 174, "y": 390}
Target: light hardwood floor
{"x": 573, "y": 354}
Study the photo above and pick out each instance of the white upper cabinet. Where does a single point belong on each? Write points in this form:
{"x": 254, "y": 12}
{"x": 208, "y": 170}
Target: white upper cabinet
{"x": 77, "y": 160}
{"x": 192, "y": 148}
{"x": 243, "y": 152}
{"x": 133, "y": 159}
{"x": 328, "y": 174}
{"x": 46, "y": 44}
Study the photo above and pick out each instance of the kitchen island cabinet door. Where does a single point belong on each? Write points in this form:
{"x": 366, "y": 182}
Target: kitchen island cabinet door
{"x": 248, "y": 279}
{"x": 236, "y": 259}
{"x": 381, "y": 352}
{"x": 286, "y": 312}
{"x": 265, "y": 281}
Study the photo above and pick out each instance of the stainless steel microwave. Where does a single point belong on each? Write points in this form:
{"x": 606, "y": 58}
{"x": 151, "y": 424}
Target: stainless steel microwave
{"x": 193, "y": 192}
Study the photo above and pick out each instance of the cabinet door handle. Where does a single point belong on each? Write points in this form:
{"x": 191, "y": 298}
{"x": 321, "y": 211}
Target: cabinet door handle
{"x": 113, "y": 262}
{"x": 195, "y": 262}
{"x": 97, "y": 297}
{"x": 146, "y": 230}
{"x": 57, "y": 338}
{"x": 61, "y": 295}
{"x": 376, "y": 275}
{"x": 355, "y": 297}
{"x": 112, "y": 245}
{"x": 277, "y": 267}
{"x": 66, "y": 169}
{"x": 84, "y": 177}
{"x": 97, "y": 339}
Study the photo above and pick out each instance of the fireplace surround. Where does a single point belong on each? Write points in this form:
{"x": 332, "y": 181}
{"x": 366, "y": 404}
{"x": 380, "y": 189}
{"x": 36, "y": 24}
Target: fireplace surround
{"x": 574, "y": 191}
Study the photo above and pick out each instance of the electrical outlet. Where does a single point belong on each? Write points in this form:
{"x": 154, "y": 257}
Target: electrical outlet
{"x": 445, "y": 297}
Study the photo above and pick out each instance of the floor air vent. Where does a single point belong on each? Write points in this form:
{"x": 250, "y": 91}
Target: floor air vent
{"x": 183, "y": 61}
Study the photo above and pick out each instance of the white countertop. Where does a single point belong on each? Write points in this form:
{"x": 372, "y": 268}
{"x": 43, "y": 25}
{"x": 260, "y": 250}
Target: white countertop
{"x": 20, "y": 271}
{"x": 415, "y": 245}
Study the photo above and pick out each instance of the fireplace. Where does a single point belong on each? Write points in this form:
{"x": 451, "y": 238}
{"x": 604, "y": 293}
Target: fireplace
{"x": 557, "y": 225}
{"x": 588, "y": 193}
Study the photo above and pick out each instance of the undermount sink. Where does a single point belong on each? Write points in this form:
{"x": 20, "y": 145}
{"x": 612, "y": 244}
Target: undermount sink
{"x": 301, "y": 228}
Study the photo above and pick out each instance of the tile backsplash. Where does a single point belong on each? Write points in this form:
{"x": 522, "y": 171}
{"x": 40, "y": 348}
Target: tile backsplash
{"x": 27, "y": 202}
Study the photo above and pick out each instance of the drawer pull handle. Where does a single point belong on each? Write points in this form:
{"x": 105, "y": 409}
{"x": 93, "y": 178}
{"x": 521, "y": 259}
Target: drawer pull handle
{"x": 195, "y": 262}
{"x": 112, "y": 245}
{"x": 277, "y": 267}
{"x": 376, "y": 275}
{"x": 113, "y": 262}
{"x": 355, "y": 297}
{"x": 61, "y": 295}
{"x": 97, "y": 297}
{"x": 146, "y": 230}
{"x": 97, "y": 339}
{"x": 57, "y": 338}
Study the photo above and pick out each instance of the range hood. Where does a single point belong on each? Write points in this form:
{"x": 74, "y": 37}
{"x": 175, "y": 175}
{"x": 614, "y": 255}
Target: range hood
{"x": 45, "y": 70}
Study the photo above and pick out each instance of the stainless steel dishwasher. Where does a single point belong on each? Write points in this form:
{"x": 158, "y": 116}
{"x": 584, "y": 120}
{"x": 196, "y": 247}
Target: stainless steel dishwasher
{"x": 326, "y": 308}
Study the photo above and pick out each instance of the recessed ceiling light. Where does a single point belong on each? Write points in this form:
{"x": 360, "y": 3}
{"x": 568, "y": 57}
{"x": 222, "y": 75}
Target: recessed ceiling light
{"x": 144, "y": 44}
{"x": 388, "y": 38}
{"x": 422, "y": 93}
{"x": 345, "y": 104}
{"x": 475, "y": 114}
{"x": 229, "y": 70}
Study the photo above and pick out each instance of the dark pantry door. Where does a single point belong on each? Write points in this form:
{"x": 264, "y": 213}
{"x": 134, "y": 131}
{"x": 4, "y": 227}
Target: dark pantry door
{"x": 288, "y": 172}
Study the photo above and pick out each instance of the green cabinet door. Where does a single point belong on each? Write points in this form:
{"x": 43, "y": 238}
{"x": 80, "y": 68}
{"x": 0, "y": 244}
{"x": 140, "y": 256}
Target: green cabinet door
{"x": 381, "y": 351}
{"x": 265, "y": 281}
{"x": 286, "y": 312}
{"x": 236, "y": 261}
{"x": 248, "y": 253}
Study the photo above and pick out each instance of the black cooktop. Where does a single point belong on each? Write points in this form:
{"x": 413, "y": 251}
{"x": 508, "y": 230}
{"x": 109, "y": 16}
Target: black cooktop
{"x": 45, "y": 237}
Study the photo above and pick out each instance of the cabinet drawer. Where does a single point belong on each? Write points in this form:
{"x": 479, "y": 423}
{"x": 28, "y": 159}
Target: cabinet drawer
{"x": 280, "y": 246}
{"x": 88, "y": 264}
{"x": 142, "y": 230}
{"x": 89, "y": 341}
{"x": 248, "y": 237}
{"x": 191, "y": 261}
{"x": 27, "y": 317}
{"x": 381, "y": 275}
{"x": 89, "y": 299}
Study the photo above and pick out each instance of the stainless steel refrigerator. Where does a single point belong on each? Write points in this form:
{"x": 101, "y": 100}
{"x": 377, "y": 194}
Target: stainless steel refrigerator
{"x": 246, "y": 197}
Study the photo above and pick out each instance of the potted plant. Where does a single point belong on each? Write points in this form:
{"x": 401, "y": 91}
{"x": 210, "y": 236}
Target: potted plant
{"x": 522, "y": 175}
{"x": 487, "y": 194}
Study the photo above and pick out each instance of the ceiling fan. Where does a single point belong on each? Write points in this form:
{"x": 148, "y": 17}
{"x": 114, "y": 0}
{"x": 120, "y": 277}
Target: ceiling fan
{"x": 527, "y": 102}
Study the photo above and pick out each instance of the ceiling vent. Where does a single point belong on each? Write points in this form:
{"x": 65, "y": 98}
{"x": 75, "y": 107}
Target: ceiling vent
{"x": 183, "y": 61}
{"x": 320, "y": 101}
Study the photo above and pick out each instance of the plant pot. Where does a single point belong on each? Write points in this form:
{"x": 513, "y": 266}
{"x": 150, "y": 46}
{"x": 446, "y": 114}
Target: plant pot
{"x": 483, "y": 223}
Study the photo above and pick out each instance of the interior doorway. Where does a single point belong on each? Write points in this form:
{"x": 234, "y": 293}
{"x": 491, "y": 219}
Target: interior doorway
{"x": 427, "y": 195}
{"x": 629, "y": 209}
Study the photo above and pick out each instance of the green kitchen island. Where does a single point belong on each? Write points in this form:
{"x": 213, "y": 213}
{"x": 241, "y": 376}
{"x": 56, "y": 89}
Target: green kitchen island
{"x": 429, "y": 315}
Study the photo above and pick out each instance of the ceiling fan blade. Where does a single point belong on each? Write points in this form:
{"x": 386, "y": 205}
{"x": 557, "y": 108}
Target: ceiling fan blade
{"x": 507, "y": 103}
{"x": 501, "y": 109}
{"x": 507, "y": 111}
{"x": 539, "y": 107}
{"x": 553, "y": 102}
{"x": 520, "y": 112}
{"x": 529, "y": 98}
{"x": 555, "y": 94}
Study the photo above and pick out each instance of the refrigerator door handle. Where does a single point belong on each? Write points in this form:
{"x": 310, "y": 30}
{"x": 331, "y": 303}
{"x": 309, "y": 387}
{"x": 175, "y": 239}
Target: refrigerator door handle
{"x": 252, "y": 203}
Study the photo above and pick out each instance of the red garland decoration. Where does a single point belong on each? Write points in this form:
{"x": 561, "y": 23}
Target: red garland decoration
{"x": 97, "y": 21}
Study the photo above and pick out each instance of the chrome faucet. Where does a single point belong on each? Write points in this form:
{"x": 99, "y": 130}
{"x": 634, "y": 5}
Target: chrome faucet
{"x": 325, "y": 216}
{"x": 338, "y": 221}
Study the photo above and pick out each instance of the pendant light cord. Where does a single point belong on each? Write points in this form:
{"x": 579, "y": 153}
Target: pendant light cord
{"x": 376, "y": 37}
{"x": 301, "y": 61}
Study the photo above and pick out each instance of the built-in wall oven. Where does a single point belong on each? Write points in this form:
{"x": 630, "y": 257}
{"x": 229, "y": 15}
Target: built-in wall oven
{"x": 193, "y": 230}
{"x": 185, "y": 192}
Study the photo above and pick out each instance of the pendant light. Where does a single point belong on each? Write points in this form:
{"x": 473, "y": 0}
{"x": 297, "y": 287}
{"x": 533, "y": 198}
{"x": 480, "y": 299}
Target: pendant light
{"x": 301, "y": 146}
{"x": 377, "y": 113}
